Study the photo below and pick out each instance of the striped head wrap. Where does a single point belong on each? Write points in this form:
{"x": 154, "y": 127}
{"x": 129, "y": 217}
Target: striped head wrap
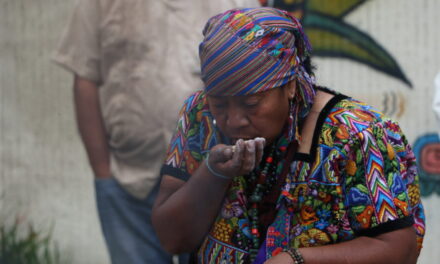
{"x": 246, "y": 51}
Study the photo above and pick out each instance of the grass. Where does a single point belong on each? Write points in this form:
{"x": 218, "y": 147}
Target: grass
{"x": 31, "y": 248}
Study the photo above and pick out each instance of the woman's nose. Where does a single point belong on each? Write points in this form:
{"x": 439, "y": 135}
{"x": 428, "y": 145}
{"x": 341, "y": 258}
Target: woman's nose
{"x": 236, "y": 118}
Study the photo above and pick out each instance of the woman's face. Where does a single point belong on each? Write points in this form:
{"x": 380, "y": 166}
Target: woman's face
{"x": 259, "y": 115}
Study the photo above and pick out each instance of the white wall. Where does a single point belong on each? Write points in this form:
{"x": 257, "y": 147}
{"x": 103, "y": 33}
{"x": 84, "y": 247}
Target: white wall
{"x": 44, "y": 174}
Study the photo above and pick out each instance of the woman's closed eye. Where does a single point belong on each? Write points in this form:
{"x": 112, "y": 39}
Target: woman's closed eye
{"x": 219, "y": 105}
{"x": 251, "y": 102}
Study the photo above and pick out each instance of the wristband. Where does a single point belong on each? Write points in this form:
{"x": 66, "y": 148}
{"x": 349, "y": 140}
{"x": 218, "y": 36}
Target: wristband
{"x": 214, "y": 172}
{"x": 295, "y": 255}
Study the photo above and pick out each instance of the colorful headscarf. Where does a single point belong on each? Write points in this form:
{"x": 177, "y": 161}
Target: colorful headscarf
{"x": 246, "y": 51}
{"x": 251, "y": 50}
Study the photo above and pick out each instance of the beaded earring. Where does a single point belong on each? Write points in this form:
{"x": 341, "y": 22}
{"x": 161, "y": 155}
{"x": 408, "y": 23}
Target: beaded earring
{"x": 295, "y": 105}
{"x": 291, "y": 120}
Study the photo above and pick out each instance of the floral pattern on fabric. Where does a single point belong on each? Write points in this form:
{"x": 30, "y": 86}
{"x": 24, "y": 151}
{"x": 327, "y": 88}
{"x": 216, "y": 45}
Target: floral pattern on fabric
{"x": 359, "y": 179}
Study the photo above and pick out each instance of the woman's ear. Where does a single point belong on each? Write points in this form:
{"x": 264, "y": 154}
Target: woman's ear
{"x": 291, "y": 89}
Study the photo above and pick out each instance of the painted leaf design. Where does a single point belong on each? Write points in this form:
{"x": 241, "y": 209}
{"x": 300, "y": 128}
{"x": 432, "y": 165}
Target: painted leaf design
{"x": 332, "y": 37}
{"x": 336, "y": 8}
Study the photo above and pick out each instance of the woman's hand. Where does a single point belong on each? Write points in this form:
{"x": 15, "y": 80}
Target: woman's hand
{"x": 281, "y": 258}
{"x": 239, "y": 159}
{"x": 179, "y": 204}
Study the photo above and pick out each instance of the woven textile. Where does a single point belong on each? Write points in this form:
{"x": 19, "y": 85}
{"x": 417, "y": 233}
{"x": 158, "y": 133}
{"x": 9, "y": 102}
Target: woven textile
{"x": 246, "y": 51}
{"x": 360, "y": 178}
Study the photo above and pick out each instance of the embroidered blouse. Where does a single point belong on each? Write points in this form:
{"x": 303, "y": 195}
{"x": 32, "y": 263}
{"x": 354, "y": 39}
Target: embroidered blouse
{"x": 359, "y": 179}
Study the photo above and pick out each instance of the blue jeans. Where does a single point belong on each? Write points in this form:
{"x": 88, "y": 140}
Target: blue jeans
{"x": 126, "y": 224}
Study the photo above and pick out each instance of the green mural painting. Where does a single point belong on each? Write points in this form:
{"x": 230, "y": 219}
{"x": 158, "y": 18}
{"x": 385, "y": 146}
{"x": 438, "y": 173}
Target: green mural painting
{"x": 331, "y": 36}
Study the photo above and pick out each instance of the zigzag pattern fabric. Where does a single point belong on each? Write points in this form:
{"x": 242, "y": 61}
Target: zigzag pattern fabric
{"x": 371, "y": 139}
{"x": 246, "y": 51}
{"x": 194, "y": 132}
{"x": 360, "y": 178}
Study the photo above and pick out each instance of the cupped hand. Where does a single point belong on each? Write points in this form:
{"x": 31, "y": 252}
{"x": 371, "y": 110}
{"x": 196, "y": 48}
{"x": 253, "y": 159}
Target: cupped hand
{"x": 239, "y": 159}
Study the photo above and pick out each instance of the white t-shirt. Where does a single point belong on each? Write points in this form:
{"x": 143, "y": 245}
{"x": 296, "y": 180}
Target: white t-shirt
{"x": 144, "y": 56}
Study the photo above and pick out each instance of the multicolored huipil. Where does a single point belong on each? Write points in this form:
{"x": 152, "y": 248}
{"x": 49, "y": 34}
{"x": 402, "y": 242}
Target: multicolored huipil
{"x": 359, "y": 179}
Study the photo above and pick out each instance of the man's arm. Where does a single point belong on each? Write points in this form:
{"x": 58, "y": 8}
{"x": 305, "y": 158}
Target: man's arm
{"x": 91, "y": 125}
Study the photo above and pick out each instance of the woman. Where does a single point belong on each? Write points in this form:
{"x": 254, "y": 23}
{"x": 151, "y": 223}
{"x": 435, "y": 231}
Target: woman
{"x": 266, "y": 167}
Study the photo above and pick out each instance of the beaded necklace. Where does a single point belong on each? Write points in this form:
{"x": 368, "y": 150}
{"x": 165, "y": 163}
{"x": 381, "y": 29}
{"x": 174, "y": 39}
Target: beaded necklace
{"x": 260, "y": 183}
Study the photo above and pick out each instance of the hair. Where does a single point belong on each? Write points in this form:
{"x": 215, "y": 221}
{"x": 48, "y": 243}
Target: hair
{"x": 310, "y": 68}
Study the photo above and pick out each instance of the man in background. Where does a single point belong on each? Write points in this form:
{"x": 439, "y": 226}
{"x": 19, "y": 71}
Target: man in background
{"x": 134, "y": 62}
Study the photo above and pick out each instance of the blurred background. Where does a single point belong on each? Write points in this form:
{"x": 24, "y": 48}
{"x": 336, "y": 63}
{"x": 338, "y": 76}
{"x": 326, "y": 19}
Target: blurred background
{"x": 384, "y": 52}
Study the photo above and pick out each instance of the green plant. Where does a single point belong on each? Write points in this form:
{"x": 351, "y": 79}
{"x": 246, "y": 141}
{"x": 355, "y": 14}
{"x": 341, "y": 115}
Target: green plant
{"x": 31, "y": 248}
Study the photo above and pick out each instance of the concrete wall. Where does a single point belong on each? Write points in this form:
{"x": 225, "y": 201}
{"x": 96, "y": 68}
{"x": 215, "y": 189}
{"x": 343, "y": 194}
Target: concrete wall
{"x": 44, "y": 173}
{"x": 44, "y": 176}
